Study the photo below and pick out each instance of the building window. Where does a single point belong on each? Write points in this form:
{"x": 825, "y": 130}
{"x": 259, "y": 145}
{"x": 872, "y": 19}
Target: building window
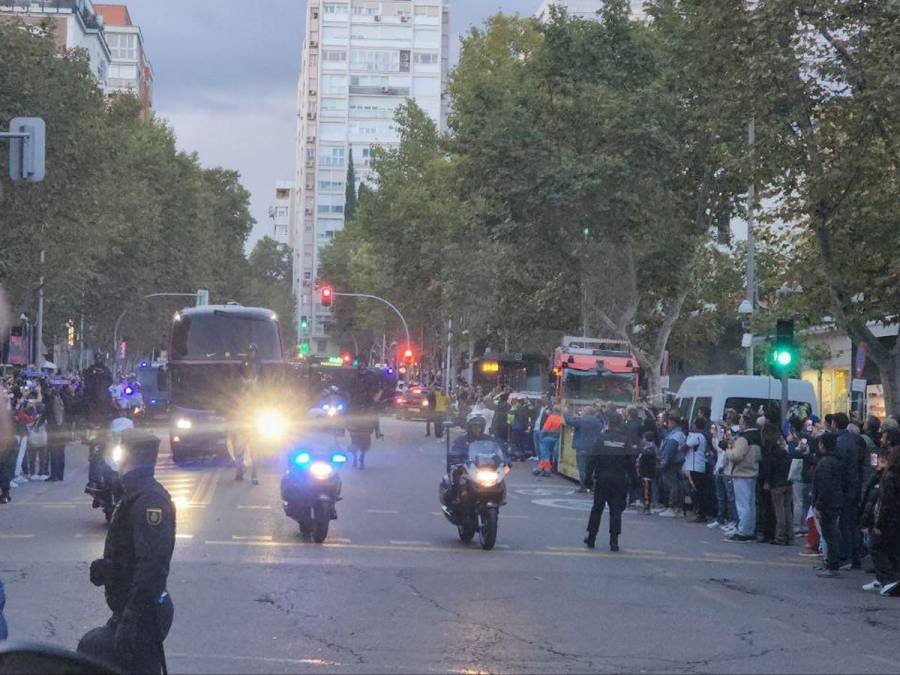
{"x": 334, "y": 55}
{"x": 332, "y": 157}
{"x": 281, "y": 230}
{"x": 122, "y": 45}
{"x": 332, "y": 8}
{"x": 374, "y": 60}
{"x": 425, "y": 58}
{"x": 369, "y": 81}
{"x": 404, "y": 60}
{"x": 281, "y": 211}
{"x": 331, "y": 185}
{"x": 334, "y": 84}
{"x": 307, "y": 276}
{"x": 426, "y": 10}
{"x": 321, "y": 345}
{"x": 365, "y": 8}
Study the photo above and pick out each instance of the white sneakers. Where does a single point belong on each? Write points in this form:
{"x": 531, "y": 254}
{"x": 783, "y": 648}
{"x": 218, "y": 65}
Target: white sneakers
{"x": 668, "y": 513}
{"x": 872, "y": 586}
{"x": 889, "y": 589}
{"x": 713, "y": 525}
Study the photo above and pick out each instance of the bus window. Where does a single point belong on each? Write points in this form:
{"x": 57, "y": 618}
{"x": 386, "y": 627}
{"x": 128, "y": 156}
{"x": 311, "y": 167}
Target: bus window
{"x": 224, "y": 336}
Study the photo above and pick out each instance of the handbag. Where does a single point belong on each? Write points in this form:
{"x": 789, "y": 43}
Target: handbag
{"x": 37, "y": 438}
{"x": 795, "y": 473}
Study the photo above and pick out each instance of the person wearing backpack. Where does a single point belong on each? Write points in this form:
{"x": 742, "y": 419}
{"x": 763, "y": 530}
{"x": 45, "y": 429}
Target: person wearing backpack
{"x": 56, "y": 435}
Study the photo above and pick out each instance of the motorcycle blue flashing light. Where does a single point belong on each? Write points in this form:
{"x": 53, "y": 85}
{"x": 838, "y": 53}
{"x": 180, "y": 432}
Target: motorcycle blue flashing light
{"x": 144, "y": 364}
{"x": 340, "y": 406}
{"x": 302, "y": 458}
{"x": 390, "y": 371}
{"x": 339, "y": 458}
{"x": 129, "y": 391}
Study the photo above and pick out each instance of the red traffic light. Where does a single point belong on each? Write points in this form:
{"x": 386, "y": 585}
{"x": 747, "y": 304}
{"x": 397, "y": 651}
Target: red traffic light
{"x": 326, "y": 295}
{"x": 346, "y": 357}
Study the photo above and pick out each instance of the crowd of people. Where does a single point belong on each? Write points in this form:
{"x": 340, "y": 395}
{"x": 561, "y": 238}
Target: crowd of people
{"x": 830, "y": 484}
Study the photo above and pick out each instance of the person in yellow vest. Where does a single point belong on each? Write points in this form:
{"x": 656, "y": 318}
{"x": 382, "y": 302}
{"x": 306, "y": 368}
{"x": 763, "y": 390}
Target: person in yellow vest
{"x": 441, "y": 403}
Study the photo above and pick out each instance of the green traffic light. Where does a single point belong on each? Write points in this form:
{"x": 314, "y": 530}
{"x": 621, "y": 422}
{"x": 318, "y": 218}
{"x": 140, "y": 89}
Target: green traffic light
{"x": 304, "y": 348}
{"x": 784, "y": 358}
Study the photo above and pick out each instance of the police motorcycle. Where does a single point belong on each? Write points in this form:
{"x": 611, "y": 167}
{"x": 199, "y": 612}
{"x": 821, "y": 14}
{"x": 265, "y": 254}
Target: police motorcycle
{"x": 333, "y": 403}
{"x": 311, "y": 484}
{"x": 104, "y": 484}
{"x": 474, "y": 488}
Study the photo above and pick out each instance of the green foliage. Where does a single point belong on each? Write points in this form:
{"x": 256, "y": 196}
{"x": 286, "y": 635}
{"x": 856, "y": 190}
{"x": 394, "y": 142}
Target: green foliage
{"x": 350, "y": 189}
{"x": 122, "y": 212}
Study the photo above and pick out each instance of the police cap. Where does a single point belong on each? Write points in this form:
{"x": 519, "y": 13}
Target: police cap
{"x": 142, "y": 447}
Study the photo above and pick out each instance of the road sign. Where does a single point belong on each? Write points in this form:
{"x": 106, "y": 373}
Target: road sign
{"x": 862, "y": 350}
{"x": 202, "y": 297}
{"x": 27, "y": 149}
{"x": 859, "y": 385}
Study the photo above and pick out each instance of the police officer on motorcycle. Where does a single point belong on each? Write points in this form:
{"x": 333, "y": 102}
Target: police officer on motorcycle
{"x": 608, "y": 466}
{"x": 459, "y": 451}
{"x": 97, "y": 380}
{"x": 135, "y": 566}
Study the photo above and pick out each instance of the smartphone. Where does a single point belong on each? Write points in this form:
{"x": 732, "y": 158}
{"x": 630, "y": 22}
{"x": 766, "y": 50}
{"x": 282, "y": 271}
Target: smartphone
{"x": 873, "y": 458}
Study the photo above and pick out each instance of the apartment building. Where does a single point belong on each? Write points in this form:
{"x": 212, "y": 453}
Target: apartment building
{"x": 361, "y": 60}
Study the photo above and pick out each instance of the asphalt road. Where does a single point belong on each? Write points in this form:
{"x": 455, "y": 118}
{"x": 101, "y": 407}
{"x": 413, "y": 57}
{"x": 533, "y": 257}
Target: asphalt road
{"x": 393, "y": 590}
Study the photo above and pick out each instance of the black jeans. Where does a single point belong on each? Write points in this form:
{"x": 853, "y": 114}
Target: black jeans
{"x": 851, "y": 538}
{"x": 57, "y": 461}
{"x": 8, "y": 456}
{"x": 831, "y": 533}
{"x": 702, "y": 494}
{"x": 886, "y": 557}
{"x": 609, "y": 489}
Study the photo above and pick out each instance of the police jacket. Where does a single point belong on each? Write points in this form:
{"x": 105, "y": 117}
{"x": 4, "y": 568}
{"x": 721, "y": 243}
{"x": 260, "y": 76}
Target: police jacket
{"x": 459, "y": 451}
{"x": 613, "y": 455}
{"x": 139, "y": 544}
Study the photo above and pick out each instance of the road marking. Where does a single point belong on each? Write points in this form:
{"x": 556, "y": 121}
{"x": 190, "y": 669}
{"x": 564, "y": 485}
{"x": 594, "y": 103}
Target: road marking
{"x": 337, "y": 540}
{"x": 81, "y": 535}
{"x": 256, "y": 507}
{"x": 184, "y": 536}
{"x": 80, "y": 502}
{"x": 255, "y": 537}
{"x": 401, "y": 542}
{"x": 733, "y": 556}
{"x": 385, "y": 511}
{"x": 507, "y": 516}
{"x": 205, "y": 658}
{"x": 557, "y": 552}
{"x": 16, "y": 536}
{"x": 58, "y": 506}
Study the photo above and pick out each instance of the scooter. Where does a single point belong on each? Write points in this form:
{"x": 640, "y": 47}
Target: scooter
{"x": 472, "y": 493}
{"x": 311, "y": 486}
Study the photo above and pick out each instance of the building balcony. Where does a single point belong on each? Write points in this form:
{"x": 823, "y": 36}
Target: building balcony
{"x": 379, "y": 91}
{"x": 82, "y": 8}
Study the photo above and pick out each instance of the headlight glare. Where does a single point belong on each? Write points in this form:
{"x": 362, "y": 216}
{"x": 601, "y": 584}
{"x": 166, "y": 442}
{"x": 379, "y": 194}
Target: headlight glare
{"x": 183, "y": 423}
{"x": 271, "y": 424}
{"x": 321, "y": 470}
{"x": 487, "y": 477}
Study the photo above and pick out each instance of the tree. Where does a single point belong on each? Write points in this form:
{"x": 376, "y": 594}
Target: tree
{"x": 269, "y": 270}
{"x": 822, "y": 73}
{"x": 350, "y": 189}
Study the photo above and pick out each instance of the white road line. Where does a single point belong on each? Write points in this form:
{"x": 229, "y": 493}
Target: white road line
{"x": 81, "y": 535}
{"x": 260, "y": 537}
{"x": 16, "y": 536}
{"x": 386, "y": 511}
{"x": 506, "y": 516}
{"x": 58, "y": 506}
{"x": 257, "y": 507}
{"x": 184, "y": 536}
{"x": 337, "y": 540}
{"x": 400, "y": 542}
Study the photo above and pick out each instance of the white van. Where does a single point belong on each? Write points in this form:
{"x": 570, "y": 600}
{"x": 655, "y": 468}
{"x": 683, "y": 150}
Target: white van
{"x": 721, "y": 392}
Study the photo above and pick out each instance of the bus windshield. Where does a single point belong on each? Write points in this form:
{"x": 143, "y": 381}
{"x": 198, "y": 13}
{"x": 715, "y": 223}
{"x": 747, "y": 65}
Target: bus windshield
{"x": 603, "y": 386}
{"x": 224, "y": 336}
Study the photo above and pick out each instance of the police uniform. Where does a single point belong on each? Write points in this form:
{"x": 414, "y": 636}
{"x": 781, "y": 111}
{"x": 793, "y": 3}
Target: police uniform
{"x": 607, "y": 468}
{"x": 135, "y": 567}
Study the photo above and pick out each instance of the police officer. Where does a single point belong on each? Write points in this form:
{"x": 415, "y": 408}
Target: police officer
{"x": 608, "y": 467}
{"x": 135, "y": 566}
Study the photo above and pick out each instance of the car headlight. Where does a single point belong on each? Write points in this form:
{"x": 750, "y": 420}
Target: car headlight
{"x": 271, "y": 424}
{"x": 321, "y": 470}
{"x": 331, "y": 411}
{"x": 117, "y": 454}
{"x": 183, "y": 423}
{"x": 487, "y": 477}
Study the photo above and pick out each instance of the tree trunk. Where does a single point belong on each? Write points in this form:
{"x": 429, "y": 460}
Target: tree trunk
{"x": 889, "y": 368}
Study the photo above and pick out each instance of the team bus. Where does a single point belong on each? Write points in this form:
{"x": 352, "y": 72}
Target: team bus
{"x": 208, "y": 348}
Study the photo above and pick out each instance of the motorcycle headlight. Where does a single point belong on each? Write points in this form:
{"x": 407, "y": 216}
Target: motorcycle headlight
{"x": 117, "y": 454}
{"x": 183, "y": 423}
{"x": 321, "y": 470}
{"x": 487, "y": 477}
{"x": 271, "y": 425}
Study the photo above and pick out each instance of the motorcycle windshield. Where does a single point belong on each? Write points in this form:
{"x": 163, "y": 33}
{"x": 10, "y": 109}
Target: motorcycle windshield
{"x": 484, "y": 452}
{"x": 318, "y": 444}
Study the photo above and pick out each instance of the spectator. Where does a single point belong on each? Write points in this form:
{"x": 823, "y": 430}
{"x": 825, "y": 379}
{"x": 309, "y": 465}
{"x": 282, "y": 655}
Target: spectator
{"x": 56, "y": 434}
{"x": 886, "y": 526}
{"x": 774, "y": 470}
{"x": 828, "y": 498}
{"x": 851, "y": 450}
{"x": 500, "y": 422}
{"x": 867, "y": 508}
{"x": 431, "y": 416}
{"x": 646, "y": 465}
{"x": 671, "y": 462}
{"x": 587, "y": 428}
{"x": 743, "y": 468}
{"x": 550, "y": 434}
{"x": 726, "y": 515}
{"x": 695, "y": 469}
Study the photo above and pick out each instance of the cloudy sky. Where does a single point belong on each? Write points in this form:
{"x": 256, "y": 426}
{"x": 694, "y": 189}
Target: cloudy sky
{"x": 226, "y": 78}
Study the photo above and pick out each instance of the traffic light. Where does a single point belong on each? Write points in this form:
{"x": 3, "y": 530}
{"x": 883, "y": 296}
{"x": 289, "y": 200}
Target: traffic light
{"x": 783, "y": 358}
{"x": 304, "y": 324}
{"x": 347, "y": 358}
{"x": 304, "y": 348}
{"x": 408, "y": 356}
{"x": 326, "y": 295}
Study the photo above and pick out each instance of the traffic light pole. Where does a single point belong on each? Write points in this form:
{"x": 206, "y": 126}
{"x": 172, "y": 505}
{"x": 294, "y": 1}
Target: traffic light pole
{"x": 375, "y": 297}
{"x": 784, "y": 399}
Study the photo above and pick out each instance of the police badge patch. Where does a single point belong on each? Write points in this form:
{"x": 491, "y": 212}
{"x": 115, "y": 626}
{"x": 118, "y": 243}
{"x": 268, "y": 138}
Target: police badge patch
{"x": 154, "y": 516}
